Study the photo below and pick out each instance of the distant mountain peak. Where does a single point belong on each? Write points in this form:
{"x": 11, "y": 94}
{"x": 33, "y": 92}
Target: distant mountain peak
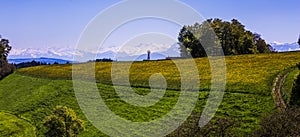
{"x": 283, "y": 47}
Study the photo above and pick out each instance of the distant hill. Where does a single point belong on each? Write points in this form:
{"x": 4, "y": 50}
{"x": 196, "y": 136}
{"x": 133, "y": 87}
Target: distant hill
{"x": 42, "y": 60}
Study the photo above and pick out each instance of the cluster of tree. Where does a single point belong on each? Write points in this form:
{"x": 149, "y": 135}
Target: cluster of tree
{"x": 32, "y": 64}
{"x": 63, "y": 122}
{"x": 199, "y": 39}
{"x": 102, "y": 60}
{"x": 29, "y": 64}
{"x": 5, "y": 67}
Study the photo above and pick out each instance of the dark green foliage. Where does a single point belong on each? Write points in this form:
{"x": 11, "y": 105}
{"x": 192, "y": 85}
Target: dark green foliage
{"x": 217, "y": 127}
{"x": 5, "y": 67}
{"x": 232, "y": 36}
{"x": 4, "y": 49}
{"x": 288, "y": 84}
{"x": 188, "y": 44}
{"x": 104, "y": 60}
{"x": 220, "y": 127}
{"x": 298, "y": 65}
{"x": 281, "y": 124}
{"x": 295, "y": 97}
{"x": 63, "y": 123}
{"x": 29, "y": 64}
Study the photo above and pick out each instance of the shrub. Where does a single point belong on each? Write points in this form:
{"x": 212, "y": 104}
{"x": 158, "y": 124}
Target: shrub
{"x": 295, "y": 96}
{"x": 298, "y": 65}
{"x": 6, "y": 69}
{"x": 63, "y": 123}
{"x": 281, "y": 124}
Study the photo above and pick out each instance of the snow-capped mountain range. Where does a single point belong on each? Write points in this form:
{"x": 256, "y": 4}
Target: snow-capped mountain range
{"x": 138, "y": 52}
{"x": 42, "y": 60}
{"x": 283, "y": 47}
{"x": 62, "y": 53}
{"x": 158, "y": 51}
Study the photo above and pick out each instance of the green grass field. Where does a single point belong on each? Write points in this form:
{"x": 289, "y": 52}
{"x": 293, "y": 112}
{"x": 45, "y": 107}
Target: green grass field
{"x": 33, "y": 92}
{"x": 11, "y": 125}
{"x": 288, "y": 85}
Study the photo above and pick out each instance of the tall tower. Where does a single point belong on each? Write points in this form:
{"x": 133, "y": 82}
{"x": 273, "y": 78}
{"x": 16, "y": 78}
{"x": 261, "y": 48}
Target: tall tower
{"x": 148, "y": 58}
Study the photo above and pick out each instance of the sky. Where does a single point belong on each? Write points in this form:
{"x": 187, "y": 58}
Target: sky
{"x": 60, "y": 23}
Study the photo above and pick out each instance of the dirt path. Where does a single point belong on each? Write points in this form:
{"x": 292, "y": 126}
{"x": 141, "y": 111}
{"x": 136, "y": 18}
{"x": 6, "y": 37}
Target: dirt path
{"x": 276, "y": 90}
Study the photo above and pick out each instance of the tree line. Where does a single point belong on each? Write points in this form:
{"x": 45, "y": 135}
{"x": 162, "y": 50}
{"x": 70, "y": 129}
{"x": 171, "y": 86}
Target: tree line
{"x": 199, "y": 39}
{"x": 30, "y": 64}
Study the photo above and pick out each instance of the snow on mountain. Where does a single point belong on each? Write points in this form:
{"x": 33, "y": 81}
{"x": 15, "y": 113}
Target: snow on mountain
{"x": 283, "y": 47}
{"x": 277, "y": 43}
{"x": 114, "y": 52}
{"x": 142, "y": 48}
{"x": 62, "y": 53}
{"x": 139, "y": 52}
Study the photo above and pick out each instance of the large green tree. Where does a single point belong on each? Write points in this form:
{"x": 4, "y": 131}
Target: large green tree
{"x": 4, "y": 49}
{"x": 188, "y": 42}
{"x": 5, "y": 67}
{"x": 232, "y": 36}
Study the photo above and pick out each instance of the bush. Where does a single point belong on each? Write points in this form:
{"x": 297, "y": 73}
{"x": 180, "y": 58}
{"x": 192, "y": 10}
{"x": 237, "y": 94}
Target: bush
{"x": 217, "y": 126}
{"x": 6, "y": 69}
{"x": 298, "y": 65}
{"x": 63, "y": 123}
{"x": 281, "y": 124}
{"x": 295, "y": 96}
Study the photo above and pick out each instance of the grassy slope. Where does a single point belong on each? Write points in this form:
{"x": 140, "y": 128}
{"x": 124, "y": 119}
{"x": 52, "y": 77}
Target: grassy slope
{"x": 249, "y": 80}
{"x": 245, "y": 73}
{"x": 288, "y": 85}
{"x": 35, "y": 98}
{"x": 11, "y": 125}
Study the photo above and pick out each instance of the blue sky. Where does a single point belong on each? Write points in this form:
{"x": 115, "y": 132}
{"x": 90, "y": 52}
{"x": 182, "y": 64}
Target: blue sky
{"x": 59, "y": 23}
